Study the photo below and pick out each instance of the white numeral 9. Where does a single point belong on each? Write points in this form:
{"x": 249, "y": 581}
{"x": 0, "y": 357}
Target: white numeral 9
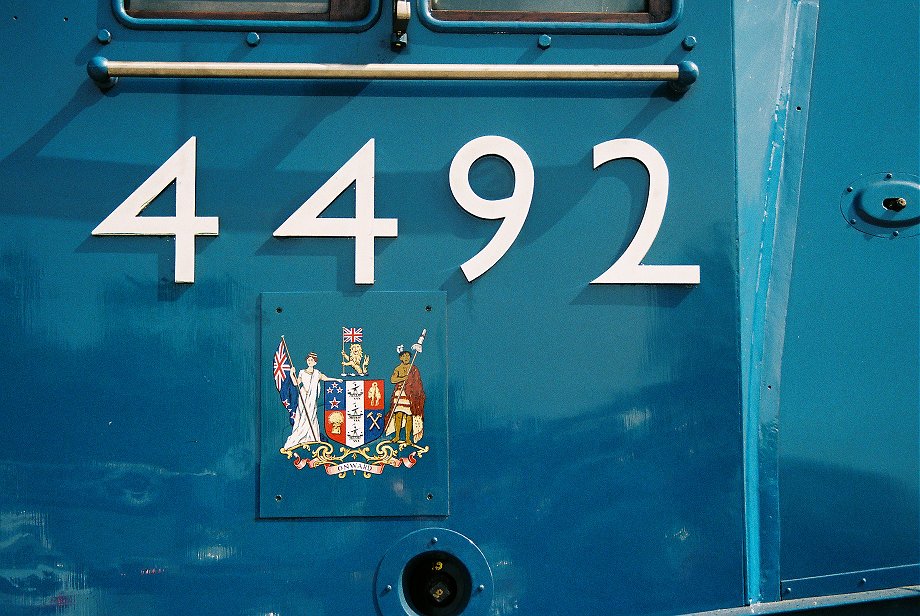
{"x": 512, "y": 210}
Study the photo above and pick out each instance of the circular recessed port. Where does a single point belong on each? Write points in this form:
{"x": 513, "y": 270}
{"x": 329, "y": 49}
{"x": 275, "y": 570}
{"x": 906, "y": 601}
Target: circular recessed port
{"x": 433, "y": 572}
{"x": 883, "y": 205}
{"x": 437, "y": 584}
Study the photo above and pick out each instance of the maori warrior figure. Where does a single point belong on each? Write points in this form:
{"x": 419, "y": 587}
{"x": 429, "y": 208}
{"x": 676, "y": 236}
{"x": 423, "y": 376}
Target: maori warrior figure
{"x": 407, "y": 407}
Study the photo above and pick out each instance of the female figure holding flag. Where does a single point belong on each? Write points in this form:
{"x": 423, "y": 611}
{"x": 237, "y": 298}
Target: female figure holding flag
{"x": 306, "y": 423}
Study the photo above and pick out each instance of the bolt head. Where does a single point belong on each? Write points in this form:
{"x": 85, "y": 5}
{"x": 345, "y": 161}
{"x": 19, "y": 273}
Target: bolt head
{"x": 253, "y": 39}
{"x": 544, "y": 41}
{"x": 689, "y": 43}
{"x": 104, "y": 37}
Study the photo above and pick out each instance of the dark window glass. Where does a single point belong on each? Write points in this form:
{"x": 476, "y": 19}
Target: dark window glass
{"x": 601, "y": 11}
{"x": 250, "y": 10}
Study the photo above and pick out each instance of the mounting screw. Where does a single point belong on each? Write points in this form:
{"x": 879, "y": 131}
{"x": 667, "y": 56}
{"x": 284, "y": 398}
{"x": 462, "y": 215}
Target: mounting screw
{"x": 387, "y": 588}
{"x": 862, "y": 581}
{"x": 689, "y": 43}
{"x": 104, "y": 36}
{"x": 252, "y": 39}
{"x": 544, "y": 41}
{"x": 895, "y": 234}
{"x": 481, "y": 587}
{"x": 852, "y": 221}
{"x": 888, "y": 176}
{"x": 434, "y": 540}
{"x": 849, "y": 189}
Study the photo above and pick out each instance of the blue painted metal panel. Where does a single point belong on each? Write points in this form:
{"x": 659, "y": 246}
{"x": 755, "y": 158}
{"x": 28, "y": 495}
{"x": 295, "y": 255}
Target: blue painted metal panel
{"x": 849, "y": 462}
{"x": 588, "y": 424}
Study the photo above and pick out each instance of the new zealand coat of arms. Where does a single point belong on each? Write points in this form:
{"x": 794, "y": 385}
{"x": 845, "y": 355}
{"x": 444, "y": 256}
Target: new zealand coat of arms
{"x": 352, "y": 423}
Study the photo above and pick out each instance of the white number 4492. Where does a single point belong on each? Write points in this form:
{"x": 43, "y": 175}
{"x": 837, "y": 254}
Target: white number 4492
{"x": 306, "y": 221}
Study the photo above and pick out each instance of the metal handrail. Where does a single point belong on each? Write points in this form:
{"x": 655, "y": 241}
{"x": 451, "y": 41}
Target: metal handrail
{"x": 106, "y": 72}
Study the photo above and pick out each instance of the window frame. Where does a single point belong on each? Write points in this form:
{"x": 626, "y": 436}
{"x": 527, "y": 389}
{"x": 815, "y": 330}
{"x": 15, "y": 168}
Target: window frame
{"x": 337, "y": 19}
{"x": 659, "y": 11}
{"x": 663, "y": 16}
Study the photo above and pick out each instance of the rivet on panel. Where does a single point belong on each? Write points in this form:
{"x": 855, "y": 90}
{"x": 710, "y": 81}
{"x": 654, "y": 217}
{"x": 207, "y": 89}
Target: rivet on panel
{"x": 544, "y": 41}
{"x": 104, "y": 36}
{"x": 388, "y": 588}
{"x": 888, "y": 176}
{"x": 481, "y": 587}
{"x": 849, "y": 189}
{"x": 689, "y": 43}
{"x": 434, "y": 540}
{"x": 895, "y": 234}
{"x": 862, "y": 581}
{"x": 252, "y": 39}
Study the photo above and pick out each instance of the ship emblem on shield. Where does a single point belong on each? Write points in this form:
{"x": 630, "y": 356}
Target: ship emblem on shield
{"x": 354, "y": 411}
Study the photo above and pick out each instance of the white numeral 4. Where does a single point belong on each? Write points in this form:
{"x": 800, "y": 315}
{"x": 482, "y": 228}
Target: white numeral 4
{"x": 305, "y": 221}
{"x": 628, "y": 269}
{"x": 185, "y": 226}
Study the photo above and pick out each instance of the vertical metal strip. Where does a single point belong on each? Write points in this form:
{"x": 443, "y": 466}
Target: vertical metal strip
{"x": 778, "y": 245}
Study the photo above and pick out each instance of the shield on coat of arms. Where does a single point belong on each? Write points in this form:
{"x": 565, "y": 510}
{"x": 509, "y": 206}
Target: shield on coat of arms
{"x": 353, "y": 411}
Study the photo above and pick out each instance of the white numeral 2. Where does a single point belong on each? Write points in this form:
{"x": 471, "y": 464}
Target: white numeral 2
{"x": 185, "y": 226}
{"x": 305, "y": 221}
{"x": 628, "y": 269}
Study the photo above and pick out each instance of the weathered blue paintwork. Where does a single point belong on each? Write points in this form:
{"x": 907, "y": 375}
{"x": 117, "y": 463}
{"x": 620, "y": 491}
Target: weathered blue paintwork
{"x": 603, "y": 455}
